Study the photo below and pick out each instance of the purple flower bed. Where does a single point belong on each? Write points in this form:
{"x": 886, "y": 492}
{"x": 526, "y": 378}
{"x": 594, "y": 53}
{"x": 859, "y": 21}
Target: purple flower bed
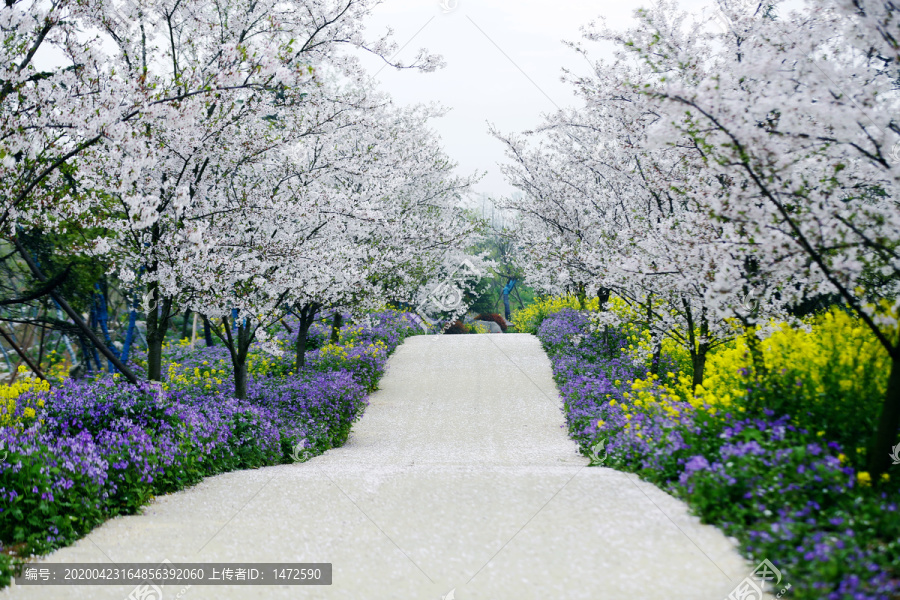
{"x": 319, "y": 409}
{"x": 104, "y": 447}
{"x": 783, "y": 492}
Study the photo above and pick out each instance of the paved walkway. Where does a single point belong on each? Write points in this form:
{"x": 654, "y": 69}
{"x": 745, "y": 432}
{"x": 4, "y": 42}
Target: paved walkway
{"x": 460, "y": 477}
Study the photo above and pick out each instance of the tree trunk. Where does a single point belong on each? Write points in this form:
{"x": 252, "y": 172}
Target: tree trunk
{"x": 238, "y": 341}
{"x": 756, "y": 354}
{"x": 240, "y": 379}
{"x": 184, "y": 324}
{"x": 154, "y": 355}
{"x": 602, "y": 297}
{"x": 698, "y": 361}
{"x": 582, "y": 297}
{"x": 336, "y": 323}
{"x": 657, "y": 348}
{"x": 239, "y": 363}
{"x": 698, "y": 348}
{"x": 519, "y": 298}
{"x": 300, "y": 348}
{"x": 157, "y": 320}
{"x": 881, "y": 451}
{"x": 307, "y": 315}
{"x": 194, "y": 331}
{"x": 207, "y": 333}
{"x": 157, "y": 317}
{"x": 506, "y": 310}
{"x": 657, "y": 356}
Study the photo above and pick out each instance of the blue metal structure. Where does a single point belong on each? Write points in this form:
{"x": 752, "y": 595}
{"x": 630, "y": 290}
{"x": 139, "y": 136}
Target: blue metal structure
{"x": 506, "y": 291}
{"x": 129, "y": 333}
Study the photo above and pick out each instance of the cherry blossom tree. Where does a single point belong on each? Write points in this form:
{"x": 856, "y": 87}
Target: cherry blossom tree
{"x": 746, "y": 171}
{"x": 365, "y": 199}
{"x": 796, "y": 118}
{"x": 608, "y": 209}
{"x": 222, "y": 83}
{"x": 57, "y": 99}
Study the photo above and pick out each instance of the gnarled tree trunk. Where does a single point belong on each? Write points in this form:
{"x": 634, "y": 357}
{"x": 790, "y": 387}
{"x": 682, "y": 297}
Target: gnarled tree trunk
{"x": 881, "y": 455}
{"x": 336, "y": 324}
{"x": 157, "y": 321}
{"x": 307, "y": 315}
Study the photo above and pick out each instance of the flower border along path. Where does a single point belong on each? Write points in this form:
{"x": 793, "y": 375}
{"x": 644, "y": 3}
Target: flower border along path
{"x": 784, "y": 492}
{"x": 85, "y": 451}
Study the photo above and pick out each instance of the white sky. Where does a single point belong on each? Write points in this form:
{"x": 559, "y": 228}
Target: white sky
{"x": 507, "y": 73}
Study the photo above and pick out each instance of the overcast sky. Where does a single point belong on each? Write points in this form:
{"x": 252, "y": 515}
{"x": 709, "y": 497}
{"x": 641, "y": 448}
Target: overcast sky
{"x": 504, "y": 61}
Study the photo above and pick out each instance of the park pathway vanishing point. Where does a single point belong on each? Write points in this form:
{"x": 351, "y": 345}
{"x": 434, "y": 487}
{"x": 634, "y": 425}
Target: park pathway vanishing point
{"x": 459, "y": 477}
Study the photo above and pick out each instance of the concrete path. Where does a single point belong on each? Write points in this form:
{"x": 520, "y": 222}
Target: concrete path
{"x": 459, "y": 478}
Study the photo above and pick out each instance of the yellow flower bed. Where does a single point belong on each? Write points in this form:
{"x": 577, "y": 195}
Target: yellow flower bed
{"x": 350, "y": 335}
{"x": 181, "y": 377}
{"x": 653, "y": 394}
{"x": 339, "y": 352}
{"x": 836, "y": 355}
{"x": 831, "y": 358}
{"x": 333, "y": 352}
{"x": 210, "y": 375}
{"x": 528, "y": 319}
{"x": 9, "y": 397}
{"x": 479, "y": 328}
